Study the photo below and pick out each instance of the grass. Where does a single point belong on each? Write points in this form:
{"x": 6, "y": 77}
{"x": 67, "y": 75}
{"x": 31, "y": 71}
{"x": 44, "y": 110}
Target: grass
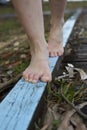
{"x": 6, "y": 9}
{"x": 20, "y": 68}
{"x": 70, "y": 5}
{"x": 6, "y": 25}
{"x": 12, "y": 26}
{"x": 71, "y": 89}
{"x": 8, "y": 28}
{"x": 75, "y": 5}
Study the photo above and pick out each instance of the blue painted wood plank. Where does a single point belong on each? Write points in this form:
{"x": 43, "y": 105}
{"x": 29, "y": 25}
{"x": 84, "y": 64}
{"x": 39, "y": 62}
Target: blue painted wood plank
{"x": 19, "y": 106}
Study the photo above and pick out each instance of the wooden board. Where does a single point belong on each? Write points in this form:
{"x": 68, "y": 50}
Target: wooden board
{"x": 19, "y": 107}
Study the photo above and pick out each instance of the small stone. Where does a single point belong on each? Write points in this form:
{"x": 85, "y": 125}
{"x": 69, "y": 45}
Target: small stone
{"x": 7, "y": 62}
{"x": 23, "y": 56}
{"x": 16, "y": 43}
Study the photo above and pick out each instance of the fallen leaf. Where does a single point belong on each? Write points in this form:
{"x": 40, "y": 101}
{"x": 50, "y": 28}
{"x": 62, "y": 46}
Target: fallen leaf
{"x": 81, "y": 126}
{"x": 49, "y": 119}
{"x": 70, "y": 65}
{"x": 51, "y": 115}
{"x": 70, "y": 71}
{"x": 82, "y": 73}
{"x": 65, "y": 124}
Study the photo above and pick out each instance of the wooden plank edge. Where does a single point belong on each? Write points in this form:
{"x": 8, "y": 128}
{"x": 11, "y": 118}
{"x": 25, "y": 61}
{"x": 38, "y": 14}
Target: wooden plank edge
{"x": 19, "y": 107}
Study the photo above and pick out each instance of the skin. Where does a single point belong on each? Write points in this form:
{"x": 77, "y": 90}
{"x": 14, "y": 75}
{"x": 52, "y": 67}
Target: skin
{"x": 55, "y": 43}
{"x": 31, "y": 16}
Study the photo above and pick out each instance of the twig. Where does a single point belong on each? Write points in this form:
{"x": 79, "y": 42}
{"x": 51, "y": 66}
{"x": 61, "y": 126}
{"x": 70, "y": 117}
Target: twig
{"x": 63, "y": 76}
{"x": 77, "y": 108}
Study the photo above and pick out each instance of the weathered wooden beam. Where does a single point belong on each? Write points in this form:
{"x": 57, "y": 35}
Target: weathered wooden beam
{"x": 18, "y": 109}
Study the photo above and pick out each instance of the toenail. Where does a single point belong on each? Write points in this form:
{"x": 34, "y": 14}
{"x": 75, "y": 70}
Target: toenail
{"x": 34, "y": 81}
{"x": 29, "y": 80}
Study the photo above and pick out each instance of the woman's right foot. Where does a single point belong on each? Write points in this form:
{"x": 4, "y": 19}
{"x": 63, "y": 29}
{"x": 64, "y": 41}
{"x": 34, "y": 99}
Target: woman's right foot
{"x": 38, "y": 68}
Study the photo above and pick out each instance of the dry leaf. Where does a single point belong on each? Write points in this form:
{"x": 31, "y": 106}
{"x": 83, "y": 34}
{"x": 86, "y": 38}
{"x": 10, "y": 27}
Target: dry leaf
{"x": 82, "y": 73}
{"x": 48, "y": 119}
{"x": 65, "y": 125}
{"x": 70, "y": 65}
{"x": 70, "y": 71}
{"x": 51, "y": 115}
{"x": 81, "y": 126}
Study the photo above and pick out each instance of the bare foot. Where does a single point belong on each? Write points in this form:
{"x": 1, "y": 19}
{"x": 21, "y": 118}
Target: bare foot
{"x": 38, "y": 68}
{"x": 55, "y": 42}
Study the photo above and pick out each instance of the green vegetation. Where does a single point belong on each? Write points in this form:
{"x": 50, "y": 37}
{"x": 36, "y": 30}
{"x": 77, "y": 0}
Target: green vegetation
{"x": 70, "y": 5}
{"x": 70, "y": 88}
{"x": 6, "y": 9}
{"x": 9, "y": 27}
{"x": 20, "y": 68}
{"x": 75, "y": 5}
{"x": 55, "y": 124}
{"x": 10, "y": 24}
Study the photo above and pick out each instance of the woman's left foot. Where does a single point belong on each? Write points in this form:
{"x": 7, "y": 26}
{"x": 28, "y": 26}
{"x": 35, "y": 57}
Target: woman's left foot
{"x": 55, "y": 41}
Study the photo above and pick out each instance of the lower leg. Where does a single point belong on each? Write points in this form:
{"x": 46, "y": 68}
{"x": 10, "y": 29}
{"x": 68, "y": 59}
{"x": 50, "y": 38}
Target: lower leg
{"x": 55, "y": 44}
{"x": 31, "y": 16}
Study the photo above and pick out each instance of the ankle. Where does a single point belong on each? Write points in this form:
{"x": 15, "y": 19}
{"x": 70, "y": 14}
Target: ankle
{"x": 38, "y": 46}
{"x": 57, "y": 23}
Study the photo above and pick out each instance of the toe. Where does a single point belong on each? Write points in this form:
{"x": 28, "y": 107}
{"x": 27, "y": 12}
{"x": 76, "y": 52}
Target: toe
{"x": 35, "y": 78}
{"x": 25, "y": 76}
{"x": 53, "y": 54}
{"x": 30, "y": 77}
{"x": 60, "y": 53}
{"x": 46, "y": 78}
